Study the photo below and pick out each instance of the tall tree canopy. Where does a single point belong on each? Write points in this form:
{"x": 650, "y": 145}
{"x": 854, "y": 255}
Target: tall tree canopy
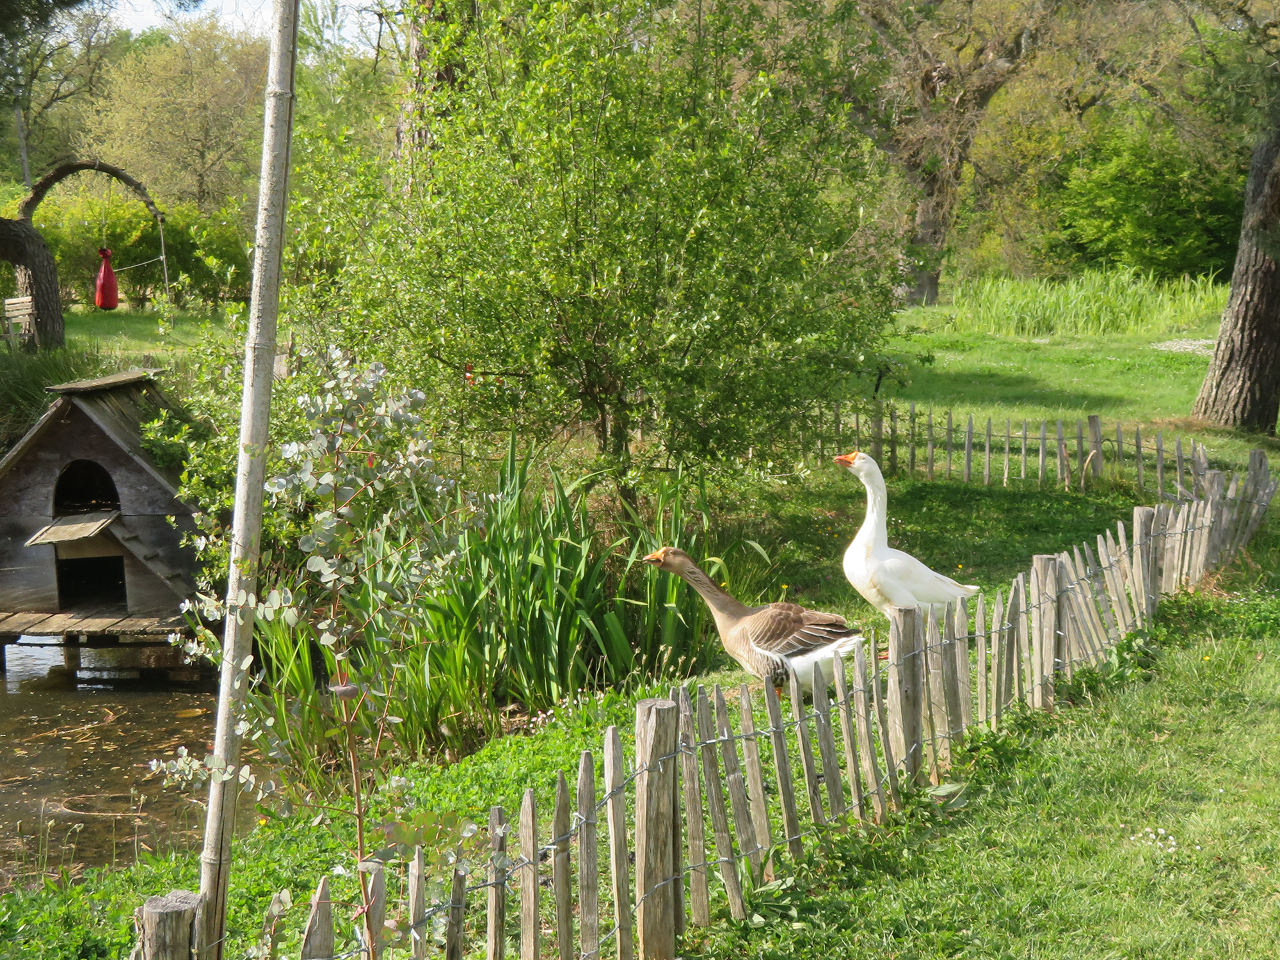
{"x": 185, "y": 114}
{"x": 648, "y": 216}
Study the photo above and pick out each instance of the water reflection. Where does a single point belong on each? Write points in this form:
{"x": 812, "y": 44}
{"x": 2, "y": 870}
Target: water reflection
{"x": 77, "y": 729}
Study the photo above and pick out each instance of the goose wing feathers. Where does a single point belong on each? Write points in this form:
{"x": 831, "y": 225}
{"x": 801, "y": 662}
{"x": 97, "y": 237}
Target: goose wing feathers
{"x": 789, "y": 630}
{"x": 923, "y": 585}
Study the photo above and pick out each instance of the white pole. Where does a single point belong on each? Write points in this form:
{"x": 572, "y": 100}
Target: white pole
{"x": 259, "y": 360}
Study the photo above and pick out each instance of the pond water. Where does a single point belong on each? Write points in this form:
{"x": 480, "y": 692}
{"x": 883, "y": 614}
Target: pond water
{"x": 75, "y": 786}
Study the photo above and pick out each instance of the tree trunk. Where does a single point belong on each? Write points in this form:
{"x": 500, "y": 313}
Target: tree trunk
{"x": 37, "y": 275}
{"x": 929, "y": 240}
{"x": 1242, "y": 387}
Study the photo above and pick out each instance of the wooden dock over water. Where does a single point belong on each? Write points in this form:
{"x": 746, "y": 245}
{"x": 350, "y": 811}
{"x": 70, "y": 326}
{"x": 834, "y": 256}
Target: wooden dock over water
{"x": 91, "y": 628}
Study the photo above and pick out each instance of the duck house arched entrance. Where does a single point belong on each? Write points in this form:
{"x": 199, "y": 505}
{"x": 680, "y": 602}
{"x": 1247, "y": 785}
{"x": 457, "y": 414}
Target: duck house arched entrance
{"x": 90, "y": 570}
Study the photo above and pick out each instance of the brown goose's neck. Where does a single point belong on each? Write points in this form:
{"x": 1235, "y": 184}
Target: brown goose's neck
{"x": 721, "y": 604}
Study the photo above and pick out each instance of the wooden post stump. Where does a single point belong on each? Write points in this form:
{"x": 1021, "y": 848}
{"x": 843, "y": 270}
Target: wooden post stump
{"x": 166, "y": 926}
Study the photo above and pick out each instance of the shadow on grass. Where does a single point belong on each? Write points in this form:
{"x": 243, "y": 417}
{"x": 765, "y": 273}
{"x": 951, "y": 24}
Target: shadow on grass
{"x": 954, "y": 388}
{"x": 975, "y": 534}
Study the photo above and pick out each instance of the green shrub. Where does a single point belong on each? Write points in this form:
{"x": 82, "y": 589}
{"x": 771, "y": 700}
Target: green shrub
{"x": 1145, "y": 200}
{"x": 208, "y": 256}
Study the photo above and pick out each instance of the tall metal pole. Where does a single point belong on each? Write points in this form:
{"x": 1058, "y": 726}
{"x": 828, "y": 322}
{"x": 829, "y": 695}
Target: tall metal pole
{"x": 259, "y": 360}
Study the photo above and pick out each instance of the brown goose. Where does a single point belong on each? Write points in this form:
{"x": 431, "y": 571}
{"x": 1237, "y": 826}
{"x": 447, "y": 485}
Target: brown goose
{"x": 770, "y": 642}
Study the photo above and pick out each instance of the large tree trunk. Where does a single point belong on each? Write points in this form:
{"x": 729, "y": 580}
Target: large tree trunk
{"x": 1242, "y": 387}
{"x": 929, "y": 240}
{"x": 37, "y": 274}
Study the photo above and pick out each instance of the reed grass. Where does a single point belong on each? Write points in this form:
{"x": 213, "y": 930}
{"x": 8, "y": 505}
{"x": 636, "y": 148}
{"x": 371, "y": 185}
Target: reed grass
{"x": 1095, "y": 302}
{"x": 24, "y": 376}
{"x": 534, "y": 608}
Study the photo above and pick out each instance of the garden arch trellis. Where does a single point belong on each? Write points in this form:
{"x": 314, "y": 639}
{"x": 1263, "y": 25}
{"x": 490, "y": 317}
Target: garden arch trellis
{"x": 23, "y": 246}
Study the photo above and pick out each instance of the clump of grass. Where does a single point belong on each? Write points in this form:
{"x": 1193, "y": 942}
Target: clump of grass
{"x": 24, "y": 376}
{"x": 1095, "y": 302}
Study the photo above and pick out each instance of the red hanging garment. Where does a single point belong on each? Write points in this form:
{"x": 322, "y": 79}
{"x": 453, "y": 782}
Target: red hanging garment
{"x": 106, "y": 296}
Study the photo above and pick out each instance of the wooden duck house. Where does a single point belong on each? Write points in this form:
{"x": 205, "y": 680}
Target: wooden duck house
{"x": 90, "y": 524}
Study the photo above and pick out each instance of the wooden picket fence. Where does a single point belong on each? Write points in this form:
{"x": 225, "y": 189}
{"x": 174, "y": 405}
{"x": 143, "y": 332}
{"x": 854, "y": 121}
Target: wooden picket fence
{"x": 1061, "y": 455}
{"x": 629, "y": 858}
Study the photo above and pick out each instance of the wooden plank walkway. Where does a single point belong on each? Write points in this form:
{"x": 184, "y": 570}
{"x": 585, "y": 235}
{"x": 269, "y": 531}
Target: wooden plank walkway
{"x": 89, "y": 623}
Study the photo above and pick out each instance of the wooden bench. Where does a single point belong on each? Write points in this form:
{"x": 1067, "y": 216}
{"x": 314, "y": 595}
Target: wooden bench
{"x": 20, "y": 321}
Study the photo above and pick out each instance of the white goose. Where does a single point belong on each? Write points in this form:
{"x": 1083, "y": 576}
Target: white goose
{"x": 884, "y": 576}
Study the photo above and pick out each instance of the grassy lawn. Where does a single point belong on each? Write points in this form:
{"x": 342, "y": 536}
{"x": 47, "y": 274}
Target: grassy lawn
{"x": 1059, "y": 850}
{"x": 1119, "y": 377}
{"x": 134, "y": 335}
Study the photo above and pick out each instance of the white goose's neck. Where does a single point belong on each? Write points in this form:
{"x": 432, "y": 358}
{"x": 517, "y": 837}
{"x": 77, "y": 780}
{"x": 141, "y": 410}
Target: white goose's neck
{"x": 874, "y": 533}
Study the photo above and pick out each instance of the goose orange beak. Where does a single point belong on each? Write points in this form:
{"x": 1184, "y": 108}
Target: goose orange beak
{"x": 846, "y": 459}
{"x": 655, "y": 557}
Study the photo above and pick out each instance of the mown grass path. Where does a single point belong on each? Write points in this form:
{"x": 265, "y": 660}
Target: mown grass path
{"x": 1058, "y": 851}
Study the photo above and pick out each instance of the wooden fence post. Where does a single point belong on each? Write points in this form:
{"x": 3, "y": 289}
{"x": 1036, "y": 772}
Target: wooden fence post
{"x": 893, "y": 439}
{"x": 615, "y": 776}
{"x": 588, "y": 857}
{"x": 911, "y": 447}
{"x": 561, "y": 875}
{"x": 1044, "y": 449}
{"x": 930, "y": 468}
{"x": 1095, "y": 444}
{"x": 1008, "y": 430}
{"x": 748, "y": 845}
{"x": 496, "y": 914}
{"x": 877, "y": 434}
{"x": 968, "y": 450}
{"x": 417, "y": 908}
{"x": 530, "y": 922}
{"x": 986, "y": 458}
{"x": 755, "y": 772}
{"x": 906, "y": 683}
{"x": 317, "y": 937}
{"x": 166, "y": 926}
{"x": 807, "y": 765}
{"x": 719, "y": 815}
{"x": 1044, "y": 618}
{"x": 657, "y": 723}
{"x": 699, "y": 895}
{"x": 950, "y": 433}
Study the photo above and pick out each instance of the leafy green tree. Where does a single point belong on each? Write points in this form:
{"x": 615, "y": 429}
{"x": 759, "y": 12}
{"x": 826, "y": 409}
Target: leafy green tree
{"x": 645, "y": 217}
{"x": 1141, "y": 198}
{"x": 185, "y": 116}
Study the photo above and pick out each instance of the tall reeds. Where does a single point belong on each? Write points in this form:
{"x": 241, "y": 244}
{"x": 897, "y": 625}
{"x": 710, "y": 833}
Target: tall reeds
{"x": 532, "y": 607}
{"x": 1118, "y": 300}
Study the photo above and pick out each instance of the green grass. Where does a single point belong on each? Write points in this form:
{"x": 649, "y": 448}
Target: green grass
{"x": 135, "y": 335}
{"x": 1096, "y": 302}
{"x": 1040, "y": 862}
{"x": 1120, "y": 378}
{"x": 24, "y": 376}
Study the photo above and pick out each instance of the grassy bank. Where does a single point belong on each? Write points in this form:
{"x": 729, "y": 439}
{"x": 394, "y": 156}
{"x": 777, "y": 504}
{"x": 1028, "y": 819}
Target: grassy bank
{"x": 139, "y": 334}
{"x": 1141, "y": 825}
{"x": 1049, "y": 856}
